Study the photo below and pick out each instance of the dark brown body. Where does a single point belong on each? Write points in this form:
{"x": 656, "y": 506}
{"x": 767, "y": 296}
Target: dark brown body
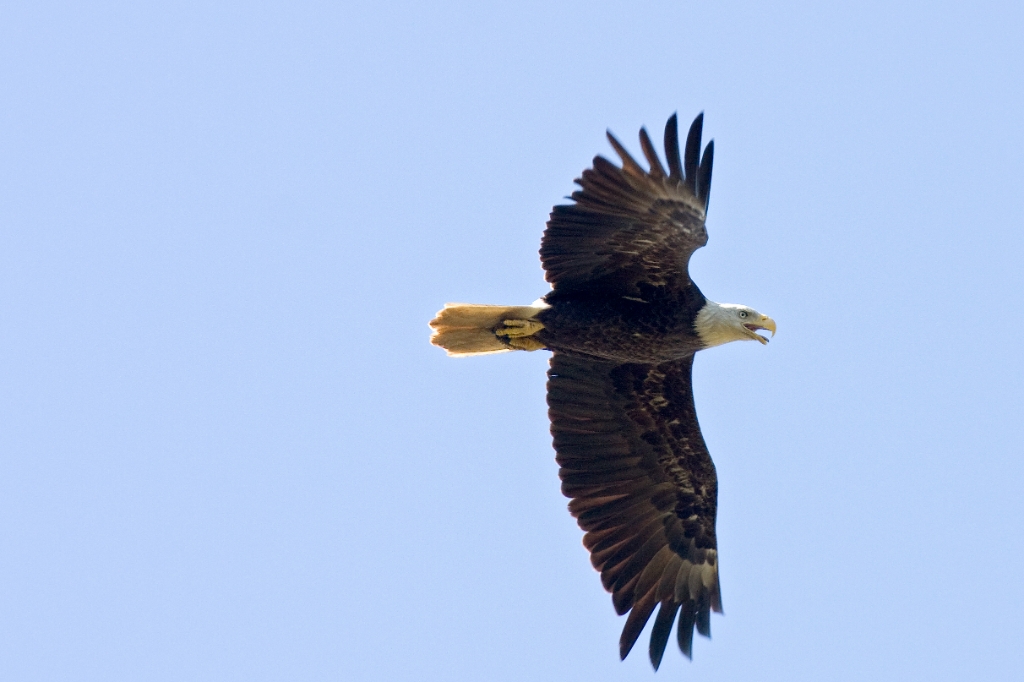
{"x": 656, "y": 328}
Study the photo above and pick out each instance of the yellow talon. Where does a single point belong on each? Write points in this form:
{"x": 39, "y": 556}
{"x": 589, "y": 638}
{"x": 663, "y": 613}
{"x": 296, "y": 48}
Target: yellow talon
{"x": 518, "y": 328}
{"x": 524, "y": 343}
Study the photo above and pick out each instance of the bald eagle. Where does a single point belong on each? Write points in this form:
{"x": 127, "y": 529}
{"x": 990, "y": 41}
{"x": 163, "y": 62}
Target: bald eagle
{"x": 623, "y": 321}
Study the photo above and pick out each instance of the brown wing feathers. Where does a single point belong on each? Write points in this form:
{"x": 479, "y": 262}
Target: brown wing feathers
{"x": 643, "y": 489}
{"x": 629, "y": 225}
{"x": 656, "y": 172}
{"x": 672, "y": 146}
{"x": 691, "y": 156}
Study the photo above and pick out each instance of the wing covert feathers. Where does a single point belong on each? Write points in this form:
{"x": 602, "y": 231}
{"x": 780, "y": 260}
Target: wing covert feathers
{"x": 643, "y": 490}
{"x": 630, "y": 228}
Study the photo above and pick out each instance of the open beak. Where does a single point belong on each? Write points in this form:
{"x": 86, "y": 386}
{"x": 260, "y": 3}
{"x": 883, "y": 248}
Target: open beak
{"x": 765, "y": 323}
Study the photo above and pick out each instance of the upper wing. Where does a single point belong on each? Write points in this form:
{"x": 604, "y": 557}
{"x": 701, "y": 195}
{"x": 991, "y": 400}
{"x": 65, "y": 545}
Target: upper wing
{"x": 629, "y": 226}
{"x": 644, "y": 489}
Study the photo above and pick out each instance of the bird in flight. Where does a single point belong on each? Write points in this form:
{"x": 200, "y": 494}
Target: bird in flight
{"x": 623, "y": 321}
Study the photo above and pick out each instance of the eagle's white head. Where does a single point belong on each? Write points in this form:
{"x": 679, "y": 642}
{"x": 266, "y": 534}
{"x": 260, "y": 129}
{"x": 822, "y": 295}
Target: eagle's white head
{"x": 719, "y": 323}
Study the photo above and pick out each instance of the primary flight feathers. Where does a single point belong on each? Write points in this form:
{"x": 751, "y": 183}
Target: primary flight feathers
{"x": 628, "y": 226}
{"x": 623, "y": 322}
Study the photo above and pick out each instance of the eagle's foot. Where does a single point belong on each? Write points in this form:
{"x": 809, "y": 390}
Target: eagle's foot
{"x": 518, "y": 328}
{"x": 524, "y": 343}
{"x": 517, "y": 334}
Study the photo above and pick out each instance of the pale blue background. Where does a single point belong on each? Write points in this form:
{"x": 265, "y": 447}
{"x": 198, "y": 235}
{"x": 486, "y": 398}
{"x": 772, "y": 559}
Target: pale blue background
{"x": 227, "y": 451}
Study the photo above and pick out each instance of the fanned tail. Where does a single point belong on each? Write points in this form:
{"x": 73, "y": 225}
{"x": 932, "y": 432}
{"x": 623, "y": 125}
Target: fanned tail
{"x": 470, "y": 329}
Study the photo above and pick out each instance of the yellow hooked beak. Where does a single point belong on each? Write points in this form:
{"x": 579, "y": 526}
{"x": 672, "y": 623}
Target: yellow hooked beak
{"x": 765, "y": 323}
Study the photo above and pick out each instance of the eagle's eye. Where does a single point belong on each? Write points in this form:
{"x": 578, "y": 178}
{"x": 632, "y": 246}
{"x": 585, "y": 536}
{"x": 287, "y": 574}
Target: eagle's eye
{"x": 743, "y": 313}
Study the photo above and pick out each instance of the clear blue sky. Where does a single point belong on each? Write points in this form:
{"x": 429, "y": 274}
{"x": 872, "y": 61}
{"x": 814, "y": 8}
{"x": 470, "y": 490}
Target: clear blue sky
{"x": 228, "y": 451}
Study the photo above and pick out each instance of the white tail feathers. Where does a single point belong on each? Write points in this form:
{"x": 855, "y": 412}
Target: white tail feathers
{"x": 468, "y": 328}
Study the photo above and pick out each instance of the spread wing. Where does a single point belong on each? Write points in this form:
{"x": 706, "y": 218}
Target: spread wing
{"x": 644, "y": 489}
{"x": 630, "y": 227}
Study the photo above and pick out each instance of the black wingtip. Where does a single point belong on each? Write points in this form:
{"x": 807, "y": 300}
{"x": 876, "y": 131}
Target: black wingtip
{"x": 661, "y": 630}
{"x": 675, "y": 166}
{"x": 703, "y": 189}
{"x": 703, "y": 621}
{"x": 691, "y": 157}
{"x": 635, "y": 623}
{"x": 684, "y": 631}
